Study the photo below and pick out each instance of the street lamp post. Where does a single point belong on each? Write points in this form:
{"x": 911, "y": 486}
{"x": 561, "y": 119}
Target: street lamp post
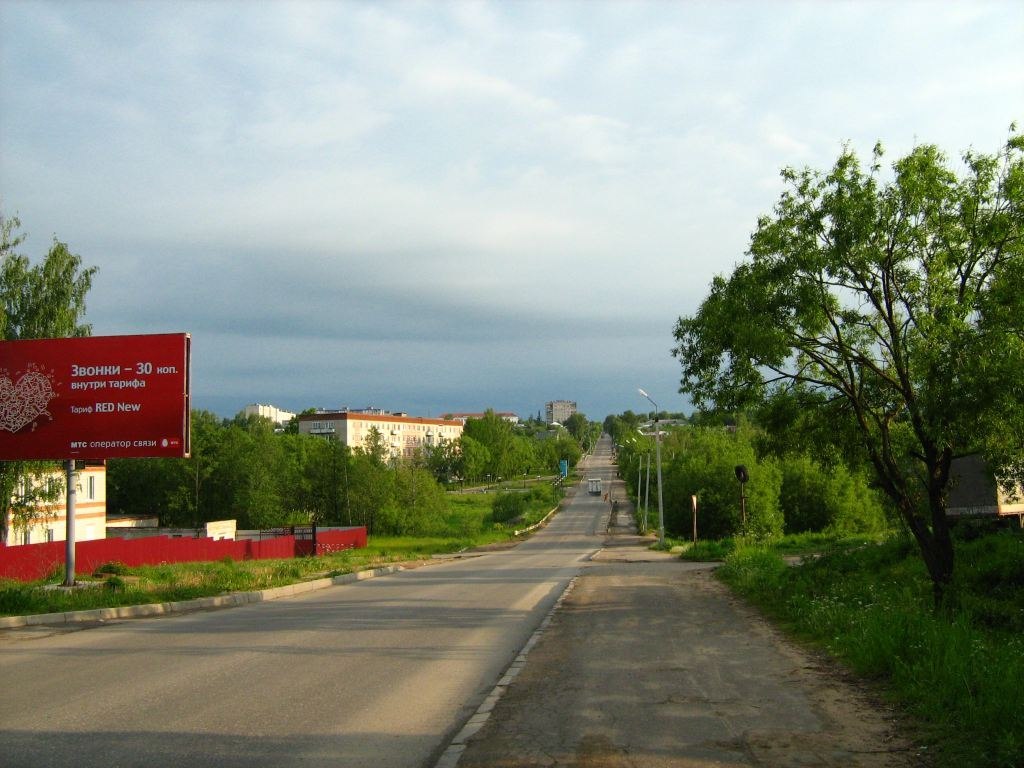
{"x": 647, "y": 490}
{"x": 639, "y": 475}
{"x": 642, "y": 500}
{"x": 657, "y": 450}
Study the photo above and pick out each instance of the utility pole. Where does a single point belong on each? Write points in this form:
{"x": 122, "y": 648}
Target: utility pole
{"x": 69, "y": 517}
{"x": 657, "y": 449}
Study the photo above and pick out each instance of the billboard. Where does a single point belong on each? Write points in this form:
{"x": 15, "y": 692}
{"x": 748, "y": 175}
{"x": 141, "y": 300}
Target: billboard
{"x": 96, "y": 397}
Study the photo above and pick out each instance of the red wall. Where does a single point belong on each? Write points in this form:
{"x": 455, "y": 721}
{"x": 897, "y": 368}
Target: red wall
{"x": 29, "y": 562}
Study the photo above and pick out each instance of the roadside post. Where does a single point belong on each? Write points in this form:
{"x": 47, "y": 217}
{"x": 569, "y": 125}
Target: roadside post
{"x": 647, "y": 491}
{"x": 693, "y": 501}
{"x": 69, "y": 523}
{"x": 744, "y": 478}
{"x": 639, "y": 471}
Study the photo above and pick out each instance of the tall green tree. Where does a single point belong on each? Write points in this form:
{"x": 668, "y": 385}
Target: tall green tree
{"x": 442, "y": 459}
{"x": 324, "y": 477}
{"x": 474, "y": 458}
{"x": 892, "y": 309}
{"x": 577, "y": 425}
{"x": 371, "y": 489}
{"x": 619, "y": 426}
{"x": 45, "y": 300}
{"x": 495, "y": 434}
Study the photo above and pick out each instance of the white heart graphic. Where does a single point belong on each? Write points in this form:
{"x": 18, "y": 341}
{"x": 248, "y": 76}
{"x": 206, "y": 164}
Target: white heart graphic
{"x": 24, "y": 402}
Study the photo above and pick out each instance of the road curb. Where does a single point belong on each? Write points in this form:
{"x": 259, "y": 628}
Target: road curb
{"x": 200, "y": 603}
{"x": 537, "y": 525}
{"x": 453, "y": 753}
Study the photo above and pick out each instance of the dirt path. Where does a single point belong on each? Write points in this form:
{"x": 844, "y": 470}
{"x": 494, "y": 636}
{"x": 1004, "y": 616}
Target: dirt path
{"x": 657, "y": 664}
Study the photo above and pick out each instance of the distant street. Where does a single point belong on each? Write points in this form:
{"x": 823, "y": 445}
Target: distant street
{"x": 380, "y": 673}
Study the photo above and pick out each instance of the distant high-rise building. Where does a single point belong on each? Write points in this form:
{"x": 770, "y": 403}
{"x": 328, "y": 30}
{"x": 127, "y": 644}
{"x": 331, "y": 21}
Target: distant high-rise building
{"x": 559, "y": 410}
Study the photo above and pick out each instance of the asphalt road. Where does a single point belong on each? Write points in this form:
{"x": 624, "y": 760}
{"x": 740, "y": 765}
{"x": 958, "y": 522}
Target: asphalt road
{"x": 380, "y": 673}
{"x": 652, "y": 663}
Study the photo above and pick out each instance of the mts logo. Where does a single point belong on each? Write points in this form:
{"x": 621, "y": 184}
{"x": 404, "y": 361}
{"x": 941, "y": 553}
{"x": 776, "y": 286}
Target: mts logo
{"x": 77, "y": 445}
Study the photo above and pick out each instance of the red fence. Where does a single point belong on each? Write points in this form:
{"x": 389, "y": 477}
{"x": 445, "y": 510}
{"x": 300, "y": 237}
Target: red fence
{"x": 29, "y": 562}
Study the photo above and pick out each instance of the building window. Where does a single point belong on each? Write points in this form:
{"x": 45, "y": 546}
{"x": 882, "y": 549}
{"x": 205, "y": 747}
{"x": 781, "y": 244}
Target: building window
{"x": 92, "y": 486}
{"x": 49, "y": 535}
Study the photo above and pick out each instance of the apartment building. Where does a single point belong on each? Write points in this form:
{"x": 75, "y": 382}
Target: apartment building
{"x": 508, "y": 416}
{"x": 403, "y": 434}
{"x": 277, "y": 415}
{"x": 90, "y": 510}
{"x": 559, "y": 410}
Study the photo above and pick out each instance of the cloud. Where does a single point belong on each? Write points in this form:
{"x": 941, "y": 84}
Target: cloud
{"x": 456, "y": 84}
{"x": 508, "y": 198}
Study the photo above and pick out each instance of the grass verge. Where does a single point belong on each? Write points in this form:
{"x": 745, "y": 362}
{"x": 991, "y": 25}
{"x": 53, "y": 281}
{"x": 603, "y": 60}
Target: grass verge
{"x": 791, "y": 545}
{"x": 467, "y": 524}
{"x": 959, "y": 671}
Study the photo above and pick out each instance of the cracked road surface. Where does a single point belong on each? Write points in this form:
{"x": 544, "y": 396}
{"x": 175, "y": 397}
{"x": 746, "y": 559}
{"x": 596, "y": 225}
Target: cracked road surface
{"x": 655, "y": 664}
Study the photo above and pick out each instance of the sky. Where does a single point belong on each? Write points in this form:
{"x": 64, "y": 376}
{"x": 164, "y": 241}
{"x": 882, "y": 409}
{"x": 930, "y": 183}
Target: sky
{"x": 438, "y": 207}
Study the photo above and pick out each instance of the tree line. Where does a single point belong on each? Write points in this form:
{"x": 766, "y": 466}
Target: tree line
{"x": 787, "y": 491}
{"x": 492, "y": 448}
{"x": 244, "y": 469}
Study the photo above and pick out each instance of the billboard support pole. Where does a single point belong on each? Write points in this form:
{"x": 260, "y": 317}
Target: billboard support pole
{"x": 69, "y": 558}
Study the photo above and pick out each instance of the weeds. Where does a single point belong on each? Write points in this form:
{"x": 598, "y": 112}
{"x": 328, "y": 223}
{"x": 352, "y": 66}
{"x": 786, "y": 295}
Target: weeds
{"x": 704, "y": 551}
{"x": 790, "y": 544}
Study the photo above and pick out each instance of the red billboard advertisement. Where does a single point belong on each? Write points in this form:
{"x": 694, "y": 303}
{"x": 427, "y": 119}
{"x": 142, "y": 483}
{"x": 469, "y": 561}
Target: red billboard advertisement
{"x": 97, "y": 397}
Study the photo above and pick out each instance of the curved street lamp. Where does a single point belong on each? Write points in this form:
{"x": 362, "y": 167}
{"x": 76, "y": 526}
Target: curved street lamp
{"x": 657, "y": 449}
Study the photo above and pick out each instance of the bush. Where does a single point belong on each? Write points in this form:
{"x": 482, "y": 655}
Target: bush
{"x": 817, "y": 498}
{"x": 508, "y": 506}
{"x": 15, "y": 599}
{"x": 989, "y": 580}
{"x": 544, "y": 496}
{"x": 703, "y": 462}
{"x": 713, "y": 549}
{"x": 114, "y": 568}
{"x": 115, "y": 584}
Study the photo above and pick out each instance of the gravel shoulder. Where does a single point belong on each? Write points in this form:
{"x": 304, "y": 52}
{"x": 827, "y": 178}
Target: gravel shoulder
{"x": 653, "y": 662}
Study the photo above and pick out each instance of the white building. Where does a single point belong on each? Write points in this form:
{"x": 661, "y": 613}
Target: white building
{"x": 403, "y": 434}
{"x": 275, "y": 414}
{"x": 51, "y": 523}
{"x": 508, "y": 416}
